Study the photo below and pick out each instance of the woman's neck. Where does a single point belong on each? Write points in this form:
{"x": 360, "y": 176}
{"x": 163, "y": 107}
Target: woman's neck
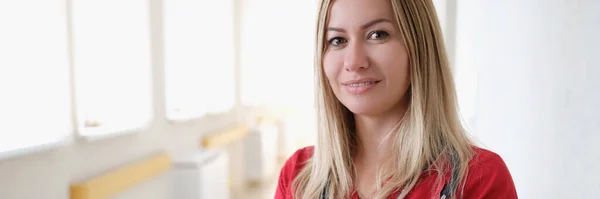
{"x": 373, "y": 134}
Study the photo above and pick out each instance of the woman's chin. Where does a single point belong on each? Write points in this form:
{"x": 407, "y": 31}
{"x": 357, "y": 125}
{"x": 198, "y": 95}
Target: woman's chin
{"x": 364, "y": 110}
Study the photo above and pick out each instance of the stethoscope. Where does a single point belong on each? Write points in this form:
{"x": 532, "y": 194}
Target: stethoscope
{"x": 443, "y": 194}
{"x": 446, "y": 190}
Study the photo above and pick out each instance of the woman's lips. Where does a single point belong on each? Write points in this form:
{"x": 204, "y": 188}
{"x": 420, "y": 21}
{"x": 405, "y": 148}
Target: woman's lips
{"x": 360, "y": 86}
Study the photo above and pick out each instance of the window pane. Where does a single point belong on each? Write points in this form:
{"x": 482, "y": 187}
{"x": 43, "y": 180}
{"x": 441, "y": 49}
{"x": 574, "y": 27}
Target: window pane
{"x": 199, "y": 57}
{"x": 277, "y": 44}
{"x": 34, "y": 74}
{"x": 111, "y": 46}
{"x": 257, "y": 45}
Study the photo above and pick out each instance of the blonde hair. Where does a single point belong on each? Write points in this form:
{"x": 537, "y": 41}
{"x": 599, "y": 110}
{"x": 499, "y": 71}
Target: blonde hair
{"x": 430, "y": 137}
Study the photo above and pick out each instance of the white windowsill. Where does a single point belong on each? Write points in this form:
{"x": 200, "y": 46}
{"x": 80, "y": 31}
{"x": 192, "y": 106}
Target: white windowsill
{"x": 185, "y": 118}
{"x": 181, "y": 118}
{"x": 111, "y": 133}
{"x": 41, "y": 147}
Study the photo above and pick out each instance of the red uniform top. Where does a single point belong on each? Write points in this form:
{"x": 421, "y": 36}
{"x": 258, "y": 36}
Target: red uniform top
{"x": 488, "y": 177}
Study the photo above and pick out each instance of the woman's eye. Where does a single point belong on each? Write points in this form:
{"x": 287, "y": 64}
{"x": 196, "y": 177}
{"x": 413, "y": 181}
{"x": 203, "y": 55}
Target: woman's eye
{"x": 336, "y": 41}
{"x": 378, "y": 35}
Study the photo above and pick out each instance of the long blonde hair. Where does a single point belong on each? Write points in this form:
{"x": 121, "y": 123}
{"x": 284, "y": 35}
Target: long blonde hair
{"x": 430, "y": 136}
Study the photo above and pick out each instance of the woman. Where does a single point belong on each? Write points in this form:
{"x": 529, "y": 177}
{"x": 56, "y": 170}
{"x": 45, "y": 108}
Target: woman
{"x": 388, "y": 121}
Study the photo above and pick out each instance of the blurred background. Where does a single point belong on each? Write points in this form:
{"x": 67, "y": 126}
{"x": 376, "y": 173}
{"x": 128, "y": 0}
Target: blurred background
{"x": 161, "y": 99}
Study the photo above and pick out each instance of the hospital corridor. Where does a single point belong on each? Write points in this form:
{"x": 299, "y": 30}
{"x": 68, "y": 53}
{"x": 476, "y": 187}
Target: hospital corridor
{"x": 199, "y": 99}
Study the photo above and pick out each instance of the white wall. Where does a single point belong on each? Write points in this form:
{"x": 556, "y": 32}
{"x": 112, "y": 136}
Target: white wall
{"x": 527, "y": 73}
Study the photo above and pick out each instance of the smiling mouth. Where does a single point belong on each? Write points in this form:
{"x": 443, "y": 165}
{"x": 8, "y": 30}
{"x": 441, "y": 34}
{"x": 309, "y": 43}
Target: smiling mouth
{"x": 363, "y": 83}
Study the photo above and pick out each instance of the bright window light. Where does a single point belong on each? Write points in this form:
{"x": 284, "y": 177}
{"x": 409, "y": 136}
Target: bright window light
{"x": 277, "y": 52}
{"x": 35, "y": 107}
{"x": 199, "y": 57}
{"x": 111, "y": 53}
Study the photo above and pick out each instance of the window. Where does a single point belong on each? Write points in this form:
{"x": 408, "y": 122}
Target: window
{"x": 258, "y": 49}
{"x": 199, "y": 57}
{"x": 111, "y": 55}
{"x": 35, "y": 107}
{"x": 277, "y": 49}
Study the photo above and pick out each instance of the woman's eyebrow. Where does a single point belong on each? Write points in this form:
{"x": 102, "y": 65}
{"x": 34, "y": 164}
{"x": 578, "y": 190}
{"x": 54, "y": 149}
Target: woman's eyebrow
{"x": 365, "y": 26}
{"x": 376, "y": 21}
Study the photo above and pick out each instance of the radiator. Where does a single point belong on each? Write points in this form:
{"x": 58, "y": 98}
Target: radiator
{"x": 261, "y": 151}
{"x": 201, "y": 175}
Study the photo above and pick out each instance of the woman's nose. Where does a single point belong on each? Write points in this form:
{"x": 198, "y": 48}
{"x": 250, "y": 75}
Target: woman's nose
{"x": 356, "y": 57}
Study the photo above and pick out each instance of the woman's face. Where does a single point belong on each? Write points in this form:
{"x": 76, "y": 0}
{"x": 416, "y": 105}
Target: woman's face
{"x": 365, "y": 60}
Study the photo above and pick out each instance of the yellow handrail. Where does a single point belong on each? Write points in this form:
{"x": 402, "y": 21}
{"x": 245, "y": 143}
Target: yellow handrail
{"x": 121, "y": 179}
{"x": 223, "y": 138}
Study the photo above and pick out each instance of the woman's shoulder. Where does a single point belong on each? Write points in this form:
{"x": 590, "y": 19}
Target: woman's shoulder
{"x": 488, "y": 176}
{"x": 302, "y": 154}
{"x": 297, "y": 161}
{"x": 485, "y": 160}
{"x": 290, "y": 169}
{"x": 485, "y": 156}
